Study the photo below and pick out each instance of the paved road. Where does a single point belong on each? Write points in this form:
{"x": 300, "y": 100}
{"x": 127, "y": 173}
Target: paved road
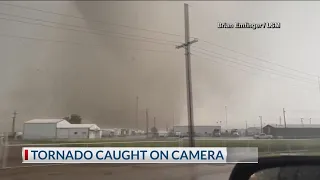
{"x": 141, "y": 172}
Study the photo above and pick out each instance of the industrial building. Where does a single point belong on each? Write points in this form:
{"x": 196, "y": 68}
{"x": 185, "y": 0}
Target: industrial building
{"x": 293, "y": 130}
{"x": 37, "y": 129}
{"x": 198, "y": 130}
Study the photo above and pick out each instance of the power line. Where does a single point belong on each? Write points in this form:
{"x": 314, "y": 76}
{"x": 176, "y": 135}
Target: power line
{"x": 211, "y": 60}
{"x": 155, "y": 31}
{"x": 259, "y": 59}
{"x": 93, "y": 21}
{"x": 245, "y": 65}
{"x": 252, "y": 63}
{"x": 122, "y": 35}
{"x": 235, "y": 62}
{"x": 75, "y": 43}
{"x": 84, "y": 29}
{"x": 264, "y": 68}
{"x": 137, "y": 28}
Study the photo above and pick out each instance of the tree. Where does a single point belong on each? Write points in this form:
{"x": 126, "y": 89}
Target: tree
{"x": 73, "y": 119}
{"x": 66, "y": 118}
{"x": 154, "y": 131}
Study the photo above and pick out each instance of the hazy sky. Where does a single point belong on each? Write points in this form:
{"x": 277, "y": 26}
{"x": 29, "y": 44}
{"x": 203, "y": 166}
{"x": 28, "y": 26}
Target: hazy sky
{"x": 91, "y": 61}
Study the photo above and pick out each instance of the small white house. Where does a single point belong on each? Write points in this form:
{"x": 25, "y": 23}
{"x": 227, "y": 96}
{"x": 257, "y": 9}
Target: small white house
{"x": 78, "y": 131}
{"x": 37, "y": 129}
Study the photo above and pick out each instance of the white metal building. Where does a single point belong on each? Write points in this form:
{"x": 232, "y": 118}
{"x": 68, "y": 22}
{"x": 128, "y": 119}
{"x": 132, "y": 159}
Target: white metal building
{"x": 41, "y": 128}
{"x": 78, "y": 131}
{"x": 199, "y": 130}
{"x": 58, "y": 129}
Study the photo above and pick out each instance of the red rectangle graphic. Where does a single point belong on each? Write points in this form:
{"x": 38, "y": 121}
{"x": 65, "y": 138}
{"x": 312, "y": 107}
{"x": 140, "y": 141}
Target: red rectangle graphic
{"x": 25, "y": 154}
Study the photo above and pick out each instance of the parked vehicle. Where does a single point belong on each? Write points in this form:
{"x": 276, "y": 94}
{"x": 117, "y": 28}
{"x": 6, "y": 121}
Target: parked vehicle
{"x": 216, "y": 133}
{"x": 235, "y": 133}
{"x": 263, "y": 136}
{"x": 163, "y": 134}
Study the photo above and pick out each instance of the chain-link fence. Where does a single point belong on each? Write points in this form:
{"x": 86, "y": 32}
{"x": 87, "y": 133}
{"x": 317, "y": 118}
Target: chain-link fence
{"x": 11, "y": 154}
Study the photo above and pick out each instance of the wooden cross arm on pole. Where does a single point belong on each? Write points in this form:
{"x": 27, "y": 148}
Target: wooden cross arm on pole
{"x": 187, "y": 44}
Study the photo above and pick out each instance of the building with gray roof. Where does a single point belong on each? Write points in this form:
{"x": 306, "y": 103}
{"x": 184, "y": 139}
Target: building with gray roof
{"x": 296, "y": 131}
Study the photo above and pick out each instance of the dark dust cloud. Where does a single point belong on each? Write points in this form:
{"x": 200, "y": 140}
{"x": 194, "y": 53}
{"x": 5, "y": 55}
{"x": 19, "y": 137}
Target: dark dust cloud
{"x": 98, "y": 83}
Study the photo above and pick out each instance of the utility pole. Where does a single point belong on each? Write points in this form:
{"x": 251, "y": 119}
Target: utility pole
{"x": 186, "y": 46}
{"x": 261, "y": 124}
{"x": 284, "y": 118}
{"x": 319, "y": 82}
{"x": 137, "y": 112}
{"x": 173, "y": 122}
{"x": 147, "y": 123}
{"x": 246, "y": 128}
{"x": 154, "y": 122}
{"x": 280, "y": 120}
{"x": 302, "y": 122}
{"x": 226, "y": 111}
{"x": 14, "y": 122}
{"x": 310, "y": 120}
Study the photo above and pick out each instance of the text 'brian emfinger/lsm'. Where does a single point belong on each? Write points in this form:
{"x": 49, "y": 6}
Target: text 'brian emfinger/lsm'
{"x": 254, "y": 26}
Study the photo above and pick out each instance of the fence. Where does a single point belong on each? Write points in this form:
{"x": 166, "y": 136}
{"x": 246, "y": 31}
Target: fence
{"x": 10, "y": 154}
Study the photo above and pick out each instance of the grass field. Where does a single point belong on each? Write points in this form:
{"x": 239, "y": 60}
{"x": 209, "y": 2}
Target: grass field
{"x": 86, "y": 141}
